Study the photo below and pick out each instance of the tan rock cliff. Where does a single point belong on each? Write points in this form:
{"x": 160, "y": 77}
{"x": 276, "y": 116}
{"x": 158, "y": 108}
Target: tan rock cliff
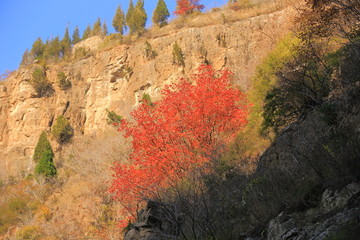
{"x": 117, "y": 78}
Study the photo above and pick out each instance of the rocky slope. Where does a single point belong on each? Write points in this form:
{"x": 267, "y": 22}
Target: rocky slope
{"x": 116, "y": 79}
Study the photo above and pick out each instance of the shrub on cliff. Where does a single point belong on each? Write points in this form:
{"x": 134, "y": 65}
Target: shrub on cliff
{"x": 40, "y": 83}
{"x": 113, "y": 118}
{"x": 150, "y": 53}
{"x": 63, "y": 82}
{"x": 42, "y": 146}
{"x": 62, "y": 131}
{"x": 178, "y": 55}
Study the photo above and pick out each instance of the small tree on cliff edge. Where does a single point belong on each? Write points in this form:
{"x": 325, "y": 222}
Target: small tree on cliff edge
{"x": 178, "y": 134}
{"x": 184, "y": 7}
{"x": 76, "y": 36}
{"x": 62, "y": 131}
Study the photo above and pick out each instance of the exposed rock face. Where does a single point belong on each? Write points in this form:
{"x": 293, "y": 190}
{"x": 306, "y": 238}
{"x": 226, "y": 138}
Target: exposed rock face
{"x": 117, "y": 78}
{"x": 152, "y": 223}
{"x": 337, "y": 209}
{"x": 89, "y": 44}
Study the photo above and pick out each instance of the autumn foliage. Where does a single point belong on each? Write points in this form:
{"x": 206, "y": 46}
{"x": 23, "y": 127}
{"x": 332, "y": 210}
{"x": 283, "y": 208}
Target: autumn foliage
{"x": 178, "y": 133}
{"x": 184, "y": 7}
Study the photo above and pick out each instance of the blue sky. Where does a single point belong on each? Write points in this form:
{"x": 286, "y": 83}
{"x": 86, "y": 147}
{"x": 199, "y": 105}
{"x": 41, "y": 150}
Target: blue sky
{"x": 23, "y": 21}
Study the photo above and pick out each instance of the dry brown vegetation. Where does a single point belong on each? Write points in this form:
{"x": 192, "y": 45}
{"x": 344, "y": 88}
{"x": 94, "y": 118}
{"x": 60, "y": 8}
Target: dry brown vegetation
{"x": 226, "y": 14}
{"x": 75, "y": 204}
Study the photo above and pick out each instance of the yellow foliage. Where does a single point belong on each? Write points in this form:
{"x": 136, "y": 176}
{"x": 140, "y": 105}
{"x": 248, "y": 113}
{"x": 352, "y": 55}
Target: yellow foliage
{"x": 250, "y": 143}
{"x": 265, "y": 77}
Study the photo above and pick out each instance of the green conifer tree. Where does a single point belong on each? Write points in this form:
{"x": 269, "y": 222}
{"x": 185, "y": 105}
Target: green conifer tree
{"x": 42, "y": 145}
{"x": 76, "y": 36}
{"x": 161, "y": 14}
{"x": 66, "y": 43}
{"x": 96, "y": 28}
{"x": 139, "y": 16}
{"x": 38, "y": 48}
{"x": 119, "y": 21}
{"x": 129, "y": 14}
{"x": 45, "y": 166}
{"x": 53, "y": 49}
{"x": 87, "y": 32}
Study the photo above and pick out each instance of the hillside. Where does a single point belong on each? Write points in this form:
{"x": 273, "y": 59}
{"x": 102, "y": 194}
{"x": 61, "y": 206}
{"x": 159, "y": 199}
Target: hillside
{"x": 116, "y": 79}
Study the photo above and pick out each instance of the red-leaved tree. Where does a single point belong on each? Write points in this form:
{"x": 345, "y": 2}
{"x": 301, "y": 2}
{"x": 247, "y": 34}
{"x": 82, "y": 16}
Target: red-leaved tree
{"x": 181, "y": 132}
{"x": 184, "y": 7}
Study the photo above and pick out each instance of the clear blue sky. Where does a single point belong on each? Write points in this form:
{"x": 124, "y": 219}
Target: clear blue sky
{"x": 23, "y": 21}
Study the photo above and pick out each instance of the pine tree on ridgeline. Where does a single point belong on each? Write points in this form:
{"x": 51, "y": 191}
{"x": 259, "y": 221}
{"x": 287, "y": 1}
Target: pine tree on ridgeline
{"x": 96, "y": 28}
{"x": 38, "y": 48}
{"x": 119, "y": 21}
{"x": 87, "y": 32}
{"x": 161, "y": 14}
{"x": 138, "y": 18}
{"x": 66, "y": 44}
{"x": 76, "y": 36}
{"x": 104, "y": 30}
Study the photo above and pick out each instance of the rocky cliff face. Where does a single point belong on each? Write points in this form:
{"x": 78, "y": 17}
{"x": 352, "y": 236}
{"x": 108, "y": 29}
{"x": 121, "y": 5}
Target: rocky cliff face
{"x": 116, "y": 79}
